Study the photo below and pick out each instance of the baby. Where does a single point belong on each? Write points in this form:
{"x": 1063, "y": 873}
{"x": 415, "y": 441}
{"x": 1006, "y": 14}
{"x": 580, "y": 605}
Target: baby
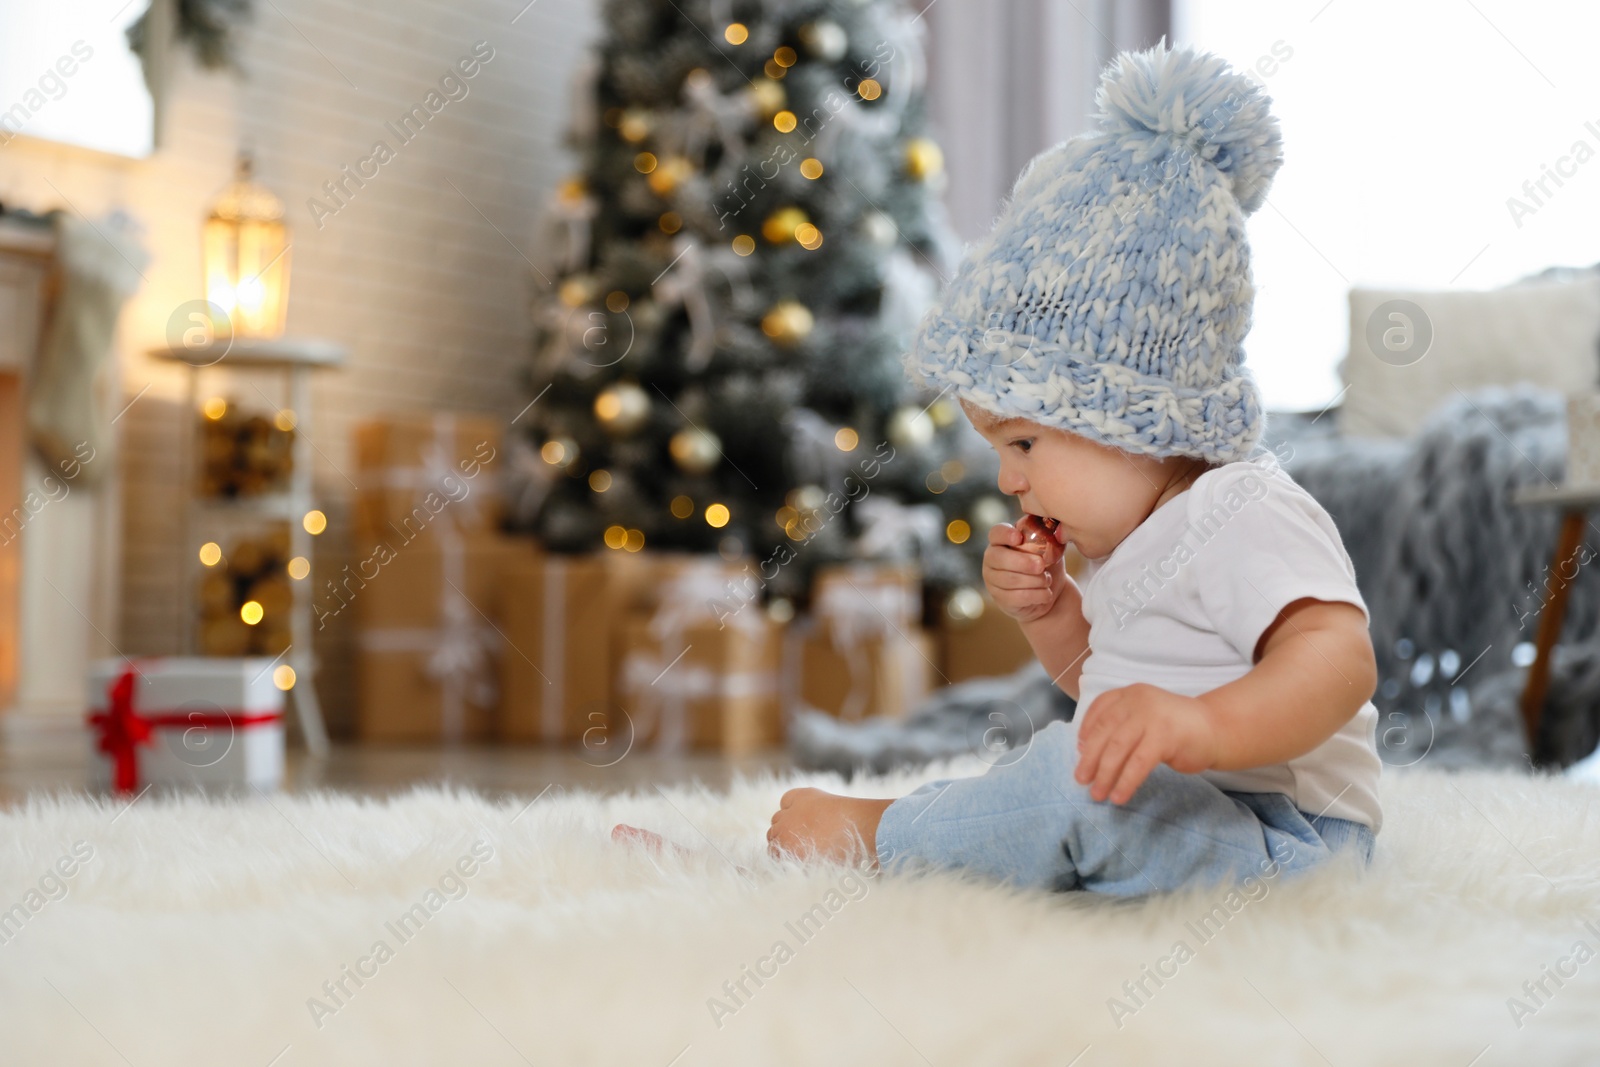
{"x": 1217, "y": 645}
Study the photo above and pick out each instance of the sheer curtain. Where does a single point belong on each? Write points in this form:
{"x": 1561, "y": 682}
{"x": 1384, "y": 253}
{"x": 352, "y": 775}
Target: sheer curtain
{"x": 1431, "y": 144}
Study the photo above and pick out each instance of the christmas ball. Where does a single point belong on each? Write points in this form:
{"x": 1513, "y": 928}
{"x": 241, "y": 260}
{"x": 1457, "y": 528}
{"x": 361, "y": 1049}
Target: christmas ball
{"x": 788, "y": 322}
{"x": 579, "y": 290}
{"x": 694, "y": 450}
{"x": 767, "y": 97}
{"x": 1039, "y": 535}
{"x": 879, "y": 229}
{"x": 637, "y": 122}
{"x": 825, "y": 39}
{"x": 989, "y": 512}
{"x": 965, "y": 604}
{"x": 559, "y": 452}
{"x": 622, "y": 408}
{"x": 924, "y": 159}
{"x": 781, "y": 225}
{"x": 669, "y": 175}
{"x": 910, "y": 428}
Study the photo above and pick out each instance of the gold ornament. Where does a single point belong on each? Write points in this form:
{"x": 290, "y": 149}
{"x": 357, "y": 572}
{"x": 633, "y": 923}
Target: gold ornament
{"x": 622, "y": 408}
{"x": 767, "y": 96}
{"x": 781, "y": 225}
{"x": 910, "y": 428}
{"x": 694, "y": 450}
{"x": 788, "y": 322}
{"x": 924, "y": 159}
{"x": 578, "y": 290}
{"x": 637, "y": 122}
{"x": 672, "y": 172}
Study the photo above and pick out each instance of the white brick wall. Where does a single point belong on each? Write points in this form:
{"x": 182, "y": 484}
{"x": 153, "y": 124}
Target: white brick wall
{"x": 430, "y": 298}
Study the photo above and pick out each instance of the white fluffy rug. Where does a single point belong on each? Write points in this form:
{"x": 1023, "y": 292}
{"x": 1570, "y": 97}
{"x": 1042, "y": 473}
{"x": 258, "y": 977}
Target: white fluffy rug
{"x": 198, "y": 932}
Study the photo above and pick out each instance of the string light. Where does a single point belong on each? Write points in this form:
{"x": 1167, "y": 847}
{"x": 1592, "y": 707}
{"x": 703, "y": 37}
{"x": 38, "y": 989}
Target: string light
{"x": 210, "y": 553}
{"x": 682, "y": 507}
{"x": 869, "y": 89}
{"x": 811, "y": 167}
{"x": 251, "y": 612}
{"x": 784, "y": 121}
{"x": 958, "y": 531}
{"x": 215, "y": 408}
{"x": 846, "y": 439}
{"x": 736, "y": 33}
{"x": 283, "y": 677}
{"x": 644, "y": 162}
{"x": 600, "y": 481}
{"x": 299, "y": 567}
{"x": 284, "y": 420}
{"x": 717, "y": 515}
{"x": 616, "y": 536}
{"x": 314, "y": 522}
{"x": 744, "y": 244}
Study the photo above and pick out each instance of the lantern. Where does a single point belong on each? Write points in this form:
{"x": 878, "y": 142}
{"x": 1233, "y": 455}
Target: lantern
{"x": 247, "y": 257}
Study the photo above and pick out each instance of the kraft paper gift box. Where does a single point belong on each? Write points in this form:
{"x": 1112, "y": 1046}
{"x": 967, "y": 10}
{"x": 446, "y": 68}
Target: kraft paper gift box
{"x": 187, "y": 721}
{"x": 700, "y": 671}
{"x": 861, "y": 652}
{"x": 990, "y": 645}
{"x": 417, "y": 469}
{"x": 564, "y": 618}
{"x": 427, "y": 641}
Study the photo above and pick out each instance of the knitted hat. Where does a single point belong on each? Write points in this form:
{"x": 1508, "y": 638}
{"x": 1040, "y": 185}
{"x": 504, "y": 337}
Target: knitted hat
{"x": 1113, "y": 294}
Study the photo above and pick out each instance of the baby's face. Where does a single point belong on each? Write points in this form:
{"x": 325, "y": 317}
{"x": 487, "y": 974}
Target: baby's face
{"x": 1098, "y": 493}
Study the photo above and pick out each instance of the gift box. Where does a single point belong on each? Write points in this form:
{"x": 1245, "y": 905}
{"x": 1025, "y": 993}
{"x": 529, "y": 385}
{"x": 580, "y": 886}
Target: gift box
{"x": 700, "y": 671}
{"x": 418, "y": 469}
{"x": 1583, "y": 440}
{"x": 428, "y": 641}
{"x": 861, "y": 652}
{"x": 186, "y": 721}
{"x": 565, "y": 625}
{"x": 978, "y": 640}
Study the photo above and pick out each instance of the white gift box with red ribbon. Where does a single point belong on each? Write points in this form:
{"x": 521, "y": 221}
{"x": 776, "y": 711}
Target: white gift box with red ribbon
{"x": 186, "y": 720}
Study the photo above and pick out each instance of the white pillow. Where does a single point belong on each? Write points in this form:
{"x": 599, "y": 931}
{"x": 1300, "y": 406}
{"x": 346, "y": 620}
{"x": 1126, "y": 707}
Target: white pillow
{"x": 1411, "y": 350}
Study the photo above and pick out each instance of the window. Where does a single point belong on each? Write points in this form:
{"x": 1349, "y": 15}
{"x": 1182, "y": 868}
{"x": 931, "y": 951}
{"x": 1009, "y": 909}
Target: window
{"x": 67, "y": 74}
{"x": 1427, "y": 144}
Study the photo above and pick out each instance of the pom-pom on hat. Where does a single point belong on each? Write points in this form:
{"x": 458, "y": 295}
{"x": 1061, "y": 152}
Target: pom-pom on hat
{"x": 1113, "y": 294}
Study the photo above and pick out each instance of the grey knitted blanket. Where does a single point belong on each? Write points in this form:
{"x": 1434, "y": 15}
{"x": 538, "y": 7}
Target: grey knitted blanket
{"x": 1452, "y": 572}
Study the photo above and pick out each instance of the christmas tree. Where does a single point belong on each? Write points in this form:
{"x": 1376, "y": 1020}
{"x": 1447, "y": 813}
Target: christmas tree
{"x": 754, "y": 235}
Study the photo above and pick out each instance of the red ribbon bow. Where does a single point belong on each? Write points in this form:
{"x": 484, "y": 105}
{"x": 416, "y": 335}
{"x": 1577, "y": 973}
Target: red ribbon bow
{"x": 121, "y": 729}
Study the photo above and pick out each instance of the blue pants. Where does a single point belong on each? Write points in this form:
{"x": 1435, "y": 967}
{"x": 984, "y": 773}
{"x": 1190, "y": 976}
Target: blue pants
{"x": 1029, "y": 822}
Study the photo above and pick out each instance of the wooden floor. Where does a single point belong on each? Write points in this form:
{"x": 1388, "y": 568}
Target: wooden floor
{"x": 50, "y": 758}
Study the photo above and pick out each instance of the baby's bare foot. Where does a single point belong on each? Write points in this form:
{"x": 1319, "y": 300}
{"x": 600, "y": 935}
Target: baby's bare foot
{"x": 813, "y": 823}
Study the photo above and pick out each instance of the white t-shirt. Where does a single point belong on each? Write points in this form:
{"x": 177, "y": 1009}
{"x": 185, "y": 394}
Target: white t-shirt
{"x": 1183, "y": 600}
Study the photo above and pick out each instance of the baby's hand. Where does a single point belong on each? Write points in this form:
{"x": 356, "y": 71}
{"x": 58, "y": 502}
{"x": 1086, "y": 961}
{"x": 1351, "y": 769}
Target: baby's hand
{"x": 1127, "y": 731}
{"x": 1017, "y": 578}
